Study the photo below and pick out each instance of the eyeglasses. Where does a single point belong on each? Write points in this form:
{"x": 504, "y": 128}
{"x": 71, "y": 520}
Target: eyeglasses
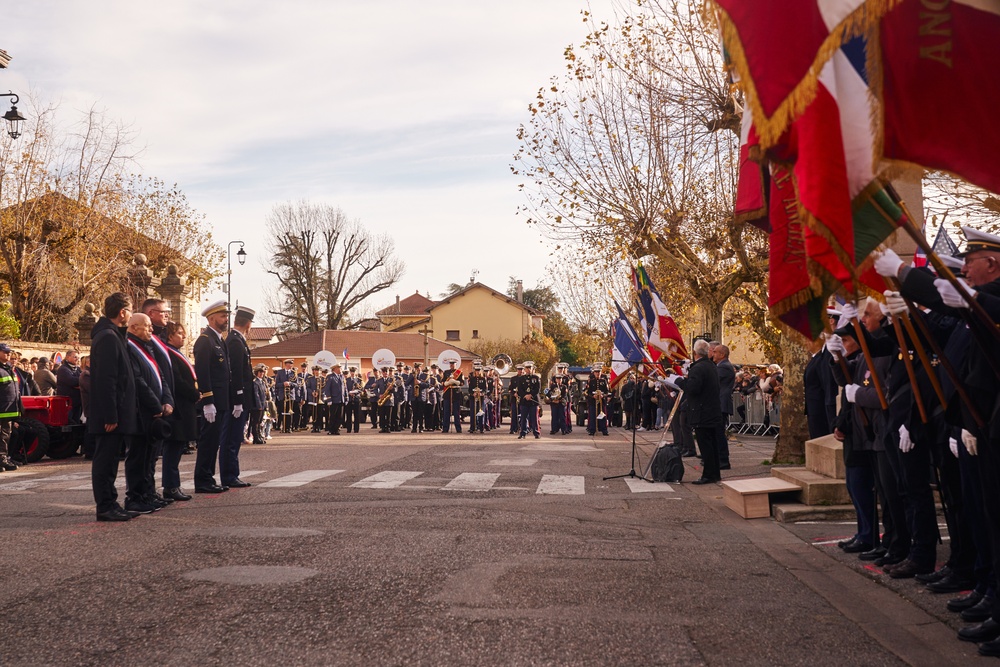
{"x": 970, "y": 260}
{"x": 165, "y": 312}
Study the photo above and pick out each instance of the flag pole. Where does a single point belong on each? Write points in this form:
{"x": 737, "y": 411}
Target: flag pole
{"x": 904, "y": 352}
{"x": 860, "y": 333}
{"x": 908, "y": 319}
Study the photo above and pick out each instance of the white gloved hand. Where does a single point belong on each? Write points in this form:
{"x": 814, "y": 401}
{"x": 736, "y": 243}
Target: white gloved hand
{"x": 847, "y": 313}
{"x": 895, "y": 304}
{"x": 237, "y": 411}
{"x": 209, "y": 412}
{"x": 953, "y": 446}
{"x": 851, "y": 391}
{"x": 835, "y": 344}
{"x": 950, "y": 295}
{"x": 888, "y": 264}
{"x": 905, "y": 443}
{"x": 969, "y": 441}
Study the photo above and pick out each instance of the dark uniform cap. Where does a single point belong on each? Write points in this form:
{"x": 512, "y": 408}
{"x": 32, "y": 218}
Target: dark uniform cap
{"x": 245, "y": 312}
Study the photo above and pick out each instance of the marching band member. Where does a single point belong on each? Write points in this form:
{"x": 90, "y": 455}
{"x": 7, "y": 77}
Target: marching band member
{"x": 313, "y": 399}
{"x": 384, "y": 389}
{"x": 529, "y": 390}
{"x": 371, "y": 393}
{"x": 335, "y": 393}
{"x": 417, "y": 384}
{"x": 557, "y": 409}
{"x": 477, "y": 396}
{"x": 285, "y": 390}
{"x": 513, "y": 397}
{"x": 451, "y": 408}
{"x": 352, "y": 409}
{"x": 597, "y": 396}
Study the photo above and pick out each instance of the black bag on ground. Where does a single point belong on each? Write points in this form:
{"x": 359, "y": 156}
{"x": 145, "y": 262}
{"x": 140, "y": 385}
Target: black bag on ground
{"x": 668, "y": 466}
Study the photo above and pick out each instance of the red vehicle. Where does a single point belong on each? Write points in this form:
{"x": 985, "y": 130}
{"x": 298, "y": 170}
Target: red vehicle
{"x": 45, "y": 428}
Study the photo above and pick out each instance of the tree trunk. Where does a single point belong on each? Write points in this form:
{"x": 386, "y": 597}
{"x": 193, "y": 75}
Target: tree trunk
{"x": 791, "y": 445}
{"x": 713, "y": 319}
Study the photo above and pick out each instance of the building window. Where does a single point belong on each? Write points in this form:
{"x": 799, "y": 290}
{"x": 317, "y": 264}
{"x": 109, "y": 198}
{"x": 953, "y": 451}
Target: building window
{"x": 475, "y": 333}
{"x": 452, "y": 334}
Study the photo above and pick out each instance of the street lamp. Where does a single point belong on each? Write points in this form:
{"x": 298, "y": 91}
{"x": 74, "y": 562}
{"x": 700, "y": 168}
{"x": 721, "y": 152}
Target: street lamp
{"x": 13, "y": 117}
{"x": 241, "y": 255}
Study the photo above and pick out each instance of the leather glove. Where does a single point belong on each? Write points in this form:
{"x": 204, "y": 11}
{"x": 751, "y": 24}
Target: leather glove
{"x": 835, "y": 344}
{"x": 895, "y": 304}
{"x": 237, "y": 411}
{"x": 953, "y": 446}
{"x": 969, "y": 441}
{"x": 950, "y": 295}
{"x": 851, "y": 391}
{"x": 888, "y": 264}
{"x": 905, "y": 443}
{"x": 209, "y": 412}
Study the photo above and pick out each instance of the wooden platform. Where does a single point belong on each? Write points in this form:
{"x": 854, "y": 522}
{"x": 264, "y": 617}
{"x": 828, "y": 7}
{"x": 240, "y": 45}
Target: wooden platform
{"x": 750, "y": 497}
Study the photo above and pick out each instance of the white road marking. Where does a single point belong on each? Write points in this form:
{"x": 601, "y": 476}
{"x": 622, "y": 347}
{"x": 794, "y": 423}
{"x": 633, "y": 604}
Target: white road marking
{"x": 571, "y": 485}
{"x": 642, "y": 486}
{"x": 26, "y": 484}
{"x": 555, "y": 447}
{"x": 387, "y": 479}
{"x": 513, "y": 462}
{"x": 473, "y": 481}
{"x": 300, "y": 478}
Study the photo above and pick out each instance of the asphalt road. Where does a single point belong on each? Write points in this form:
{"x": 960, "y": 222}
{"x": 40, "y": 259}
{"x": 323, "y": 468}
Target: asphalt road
{"x": 488, "y": 550}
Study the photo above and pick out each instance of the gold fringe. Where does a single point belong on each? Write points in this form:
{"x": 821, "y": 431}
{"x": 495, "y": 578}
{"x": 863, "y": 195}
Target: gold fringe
{"x": 862, "y": 21}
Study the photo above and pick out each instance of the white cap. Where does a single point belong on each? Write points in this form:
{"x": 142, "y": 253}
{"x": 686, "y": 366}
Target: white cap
{"x": 219, "y": 306}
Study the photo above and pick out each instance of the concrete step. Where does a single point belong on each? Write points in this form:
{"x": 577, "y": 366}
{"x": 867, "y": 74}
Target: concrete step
{"x": 792, "y": 512}
{"x": 825, "y": 456}
{"x": 816, "y": 489}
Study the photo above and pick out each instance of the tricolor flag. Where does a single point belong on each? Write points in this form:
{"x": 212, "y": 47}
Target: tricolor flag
{"x": 663, "y": 332}
{"x": 626, "y": 350}
{"x": 776, "y": 48}
{"x": 346, "y": 358}
{"x": 940, "y": 87}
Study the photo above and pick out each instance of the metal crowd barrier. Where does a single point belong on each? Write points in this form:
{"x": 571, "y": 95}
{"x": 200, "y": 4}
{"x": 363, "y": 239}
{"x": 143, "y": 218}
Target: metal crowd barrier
{"x": 759, "y": 415}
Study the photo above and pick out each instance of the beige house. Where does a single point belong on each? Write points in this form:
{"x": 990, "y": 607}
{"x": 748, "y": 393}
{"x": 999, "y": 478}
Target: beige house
{"x": 473, "y": 313}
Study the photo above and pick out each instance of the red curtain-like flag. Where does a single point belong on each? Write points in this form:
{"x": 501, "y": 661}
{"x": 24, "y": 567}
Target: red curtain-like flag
{"x": 941, "y": 87}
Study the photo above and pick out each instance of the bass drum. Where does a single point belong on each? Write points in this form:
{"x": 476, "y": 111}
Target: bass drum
{"x": 383, "y": 358}
{"x": 447, "y": 357}
{"x": 324, "y": 359}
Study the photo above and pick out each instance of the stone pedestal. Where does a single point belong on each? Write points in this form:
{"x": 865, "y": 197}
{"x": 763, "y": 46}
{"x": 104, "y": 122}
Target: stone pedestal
{"x": 85, "y": 324}
{"x": 140, "y": 279}
{"x": 173, "y": 289}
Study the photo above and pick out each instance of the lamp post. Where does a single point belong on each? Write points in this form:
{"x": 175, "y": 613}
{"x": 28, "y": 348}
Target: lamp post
{"x": 13, "y": 117}
{"x": 241, "y": 255}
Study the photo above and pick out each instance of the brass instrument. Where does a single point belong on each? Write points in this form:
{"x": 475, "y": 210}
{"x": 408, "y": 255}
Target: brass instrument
{"x": 502, "y": 363}
{"x": 599, "y": 403}
{"x": 387, "y": 394}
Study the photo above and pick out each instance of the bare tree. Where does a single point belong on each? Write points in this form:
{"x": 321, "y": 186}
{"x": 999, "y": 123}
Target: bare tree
{"x": 326, "y": 265}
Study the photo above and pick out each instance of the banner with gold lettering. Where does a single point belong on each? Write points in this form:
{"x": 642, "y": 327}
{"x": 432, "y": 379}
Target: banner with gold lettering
{"x": 940, "y": 87}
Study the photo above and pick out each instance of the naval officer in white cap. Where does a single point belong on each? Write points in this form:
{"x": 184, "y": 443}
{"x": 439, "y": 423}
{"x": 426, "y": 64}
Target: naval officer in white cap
{"x": 211, "y": 365}
{"x": 241, "y": 395}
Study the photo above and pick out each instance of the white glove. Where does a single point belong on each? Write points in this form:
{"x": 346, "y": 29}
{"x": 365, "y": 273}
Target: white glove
{"x": 895, "y": 304}
{"x": 905, "y": 444}
{"x": 949, "y": 294}
{"x": 835, "y": 344}
{"x": 851, "y": 391}
{"x": 671, "y": 385}
{"x": 888, "y": 264}
{"x": 953, "y": 446}
{"x": 847, "y": 313}
{"x": 209, "y": 412}
{"x": 969, "y": 441}
{"x": 237, "y": 411}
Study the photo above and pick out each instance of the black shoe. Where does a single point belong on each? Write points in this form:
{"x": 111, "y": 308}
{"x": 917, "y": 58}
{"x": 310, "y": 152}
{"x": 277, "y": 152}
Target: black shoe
{"x": 858, "y": 548}
{"x": 140, "y": 507}
{"x": 843, "y": 544}
{"x": 214, "y": 488}
{"x": 706, "y": 480}
{"x": 237, "y": 483}
{"x": 7, "y": 464}
{"x": 888, "y": 561}
{"x": 991, "y": 648}
{"x": 160, "y": 499}
{"x": 175, "y": 494}
{"x": 908, "y": 569}
{"x": 986, "y": 631}
{"x": 952, "y": 583}
{"x": 114, "y": 514}
{"x": 963, "y": 602}
{"x": 869, "y": 555}
{"x": 980, "y": 612}
{"x": 725, "y": 466}
{"x": 936, "y": 575}
{"x": 520, "y": 436}
{"x": 537, "y": 436}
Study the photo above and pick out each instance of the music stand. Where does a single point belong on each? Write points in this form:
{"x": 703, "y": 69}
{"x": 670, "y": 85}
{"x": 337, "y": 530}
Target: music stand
{"x": 632, "y": 472}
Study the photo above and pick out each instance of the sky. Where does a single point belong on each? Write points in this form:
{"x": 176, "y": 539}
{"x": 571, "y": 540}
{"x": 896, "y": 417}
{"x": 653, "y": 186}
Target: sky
{"x": 401, "y": 113}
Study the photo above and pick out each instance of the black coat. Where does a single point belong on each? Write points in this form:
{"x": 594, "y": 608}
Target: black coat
{"x": 151, "y": 388}
{"x": 184, "y": 420}
{"x": 820, "y": 391}
{"x": 240, "y": 369}
{"x": 113, "y": 392}
{"x": 211, "y": 366}
{"x": 727, "y": 384}
{"x": 701, "y": 387}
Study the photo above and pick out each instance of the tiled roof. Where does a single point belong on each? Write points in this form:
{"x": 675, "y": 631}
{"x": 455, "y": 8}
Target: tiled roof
{"x": 261, "y": 333}
{"x": 415, "y": 304}
{"x": 359, "y": 344}
{"x": 502, "y": 297}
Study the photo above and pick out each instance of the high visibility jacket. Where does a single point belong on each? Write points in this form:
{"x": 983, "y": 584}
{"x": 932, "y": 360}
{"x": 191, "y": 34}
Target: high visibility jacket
{"x": 10, "y": 393}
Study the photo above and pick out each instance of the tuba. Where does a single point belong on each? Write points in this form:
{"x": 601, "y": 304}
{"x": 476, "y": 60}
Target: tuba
{"x": 501, "y": 363}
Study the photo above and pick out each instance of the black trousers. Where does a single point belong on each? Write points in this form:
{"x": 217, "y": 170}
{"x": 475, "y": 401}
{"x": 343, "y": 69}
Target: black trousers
{"x": 419, "y": 412}
{"x": 707, "y": 441}
{"x": 104, "y": 469}
{"x": 352, "y": 415}
{"x": 334, "y": 415}
{"x": 138, "y": 468}
{"x": 208, "y": 452}
{"x": 256, "y": 422}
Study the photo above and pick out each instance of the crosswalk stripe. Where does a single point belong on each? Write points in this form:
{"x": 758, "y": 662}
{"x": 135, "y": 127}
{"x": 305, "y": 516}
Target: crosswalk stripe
{"x": 570, "y": 485}
{"x": 300, "y": 478}
{"x": 473, "y": 481}
{"x": 388, "y": 479}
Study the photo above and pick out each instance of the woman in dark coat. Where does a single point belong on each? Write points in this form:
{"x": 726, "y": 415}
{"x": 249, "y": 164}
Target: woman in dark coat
{"x": 183, "y": 421}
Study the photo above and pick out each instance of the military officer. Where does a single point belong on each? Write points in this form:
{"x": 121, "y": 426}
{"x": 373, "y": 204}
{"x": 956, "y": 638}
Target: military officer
{"x": 211, "y": 366}
{"x": 234, "y": 423}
